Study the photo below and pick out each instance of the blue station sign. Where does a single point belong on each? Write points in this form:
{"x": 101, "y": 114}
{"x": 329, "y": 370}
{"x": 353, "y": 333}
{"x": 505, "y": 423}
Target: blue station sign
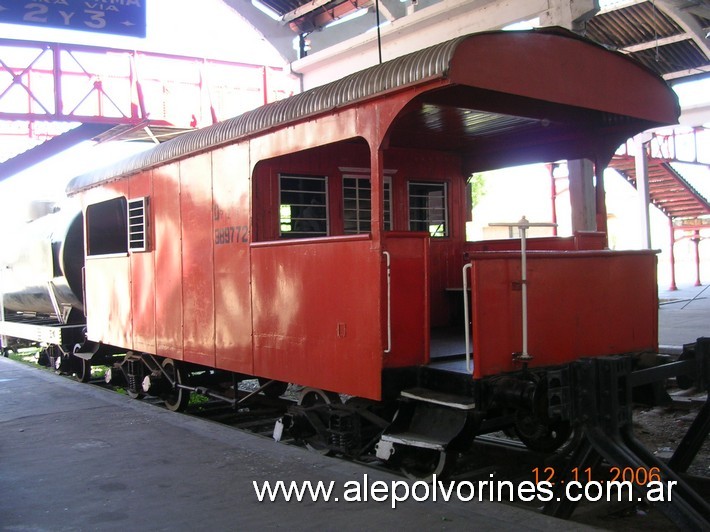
{"x": 116, "y": 17}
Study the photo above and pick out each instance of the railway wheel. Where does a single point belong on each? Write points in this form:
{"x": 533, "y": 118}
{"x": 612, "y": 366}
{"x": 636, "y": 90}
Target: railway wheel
{"x": 418, "y": 463}
{"x": 134, "y": 394}
{"x": 540, "y": 435}
{"x": 82, "y": 367}
{"x": 177, "y": 398}
{"x": 313, "y": 397}
{"x": 43, "y": 358}
{"x": 60, "y": 361}
{"x": 133, "y": 369}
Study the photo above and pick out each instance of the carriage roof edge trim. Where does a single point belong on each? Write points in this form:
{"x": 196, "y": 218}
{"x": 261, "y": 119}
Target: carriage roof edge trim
{"x": 431, "y": 63}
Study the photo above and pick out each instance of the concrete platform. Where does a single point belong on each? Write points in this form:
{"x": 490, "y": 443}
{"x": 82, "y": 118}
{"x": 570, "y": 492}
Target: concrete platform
{"x": 77, "y": 457}
{"x": 683, "y": 316}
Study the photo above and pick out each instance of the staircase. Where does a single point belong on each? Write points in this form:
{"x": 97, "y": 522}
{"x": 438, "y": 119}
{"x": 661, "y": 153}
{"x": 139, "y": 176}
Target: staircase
{"x": 668, "y": 190}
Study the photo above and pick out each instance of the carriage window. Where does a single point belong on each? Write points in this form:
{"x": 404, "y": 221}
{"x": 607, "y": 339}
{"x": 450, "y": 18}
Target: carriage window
{"x": 427, "y": 208}
{"x": 137, "y": 224}
{"x": 303, "y": 211}
{"x": 357, "y": 207}
{"x": 107, "y": 227}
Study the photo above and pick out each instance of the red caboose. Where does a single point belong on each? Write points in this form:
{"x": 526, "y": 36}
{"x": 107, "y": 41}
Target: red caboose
{"x": 320, "y": 240}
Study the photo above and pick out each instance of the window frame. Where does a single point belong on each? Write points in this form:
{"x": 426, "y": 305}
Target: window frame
{"x": 117, "y": 245}
{"x": 364, "y": 175}
{"x": 429, "y": 222}
{"x": 324, "y": 196}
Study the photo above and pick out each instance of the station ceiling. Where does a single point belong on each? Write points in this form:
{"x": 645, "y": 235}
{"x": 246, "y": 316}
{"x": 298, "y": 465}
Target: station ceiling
{"x": 669, "y": 36}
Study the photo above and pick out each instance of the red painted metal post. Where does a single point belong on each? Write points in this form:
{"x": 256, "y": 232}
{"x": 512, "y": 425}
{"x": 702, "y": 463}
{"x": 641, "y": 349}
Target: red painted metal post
{"x": 696, "y": 240}
{"x": 600, "y": 192}
{"x": 377, "y": 192}
{"x": 672, "y": 255}
{"x": 137, "y": 100}
{"x": 675, "y": 151}
{"x": 264, "y": 85}
{"x": 553, "y": 183}
{"x": 206, "y": 80}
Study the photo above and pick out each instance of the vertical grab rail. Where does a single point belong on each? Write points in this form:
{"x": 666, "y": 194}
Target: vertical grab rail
{"x": 467, "y": 331}
{"x": 523, "y": 225}
{"x": 389, "y": 302}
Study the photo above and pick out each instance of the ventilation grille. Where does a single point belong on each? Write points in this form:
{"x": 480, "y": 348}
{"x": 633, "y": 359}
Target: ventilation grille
{"x": 137, "y": 224}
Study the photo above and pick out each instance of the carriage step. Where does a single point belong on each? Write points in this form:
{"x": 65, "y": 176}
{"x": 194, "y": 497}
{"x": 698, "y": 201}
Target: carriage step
{"x": 460, "y": 402}
{"x": 412, "y": 439}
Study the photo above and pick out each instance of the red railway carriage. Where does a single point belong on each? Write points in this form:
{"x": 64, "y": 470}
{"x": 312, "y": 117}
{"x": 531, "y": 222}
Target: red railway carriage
{"x": 320, "y": 240}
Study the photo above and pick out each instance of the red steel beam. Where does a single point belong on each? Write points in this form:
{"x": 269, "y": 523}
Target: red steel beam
{"x": 76, "y": 83}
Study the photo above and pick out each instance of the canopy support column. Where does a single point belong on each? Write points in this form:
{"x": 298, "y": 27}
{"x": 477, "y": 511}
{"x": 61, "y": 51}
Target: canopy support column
{"x": 672, "y": 255}
{"x": 582, "y": 195}
{"x": 642, "y": 188}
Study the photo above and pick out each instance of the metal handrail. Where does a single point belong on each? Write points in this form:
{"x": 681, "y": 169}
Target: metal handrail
{"x": 389, "y": 301}
{"x": 466, "y": 324}
{"x": 523, "y": 225}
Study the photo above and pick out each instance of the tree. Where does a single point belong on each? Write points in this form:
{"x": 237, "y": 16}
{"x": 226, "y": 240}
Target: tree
{"x": 477, "y": 184}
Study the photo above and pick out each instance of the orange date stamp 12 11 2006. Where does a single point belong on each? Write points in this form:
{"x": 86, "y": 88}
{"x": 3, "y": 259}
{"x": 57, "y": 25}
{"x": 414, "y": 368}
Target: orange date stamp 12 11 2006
{"x": 640, "y": 476}
{"x": 616, "y": 483}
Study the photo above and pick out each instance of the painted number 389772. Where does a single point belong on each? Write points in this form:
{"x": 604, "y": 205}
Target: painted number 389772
{"x": 231, "y": 235}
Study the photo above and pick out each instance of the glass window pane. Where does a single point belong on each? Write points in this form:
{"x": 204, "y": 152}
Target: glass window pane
{"x": 107, "y": 227}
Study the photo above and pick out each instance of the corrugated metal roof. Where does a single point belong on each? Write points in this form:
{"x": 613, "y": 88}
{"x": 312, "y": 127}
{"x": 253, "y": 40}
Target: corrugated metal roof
{"x": 632, "y": 25}
{"x": 653, "y": 35}
{"x": 282, "y": 7}
{"x": 680, "y": 56}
